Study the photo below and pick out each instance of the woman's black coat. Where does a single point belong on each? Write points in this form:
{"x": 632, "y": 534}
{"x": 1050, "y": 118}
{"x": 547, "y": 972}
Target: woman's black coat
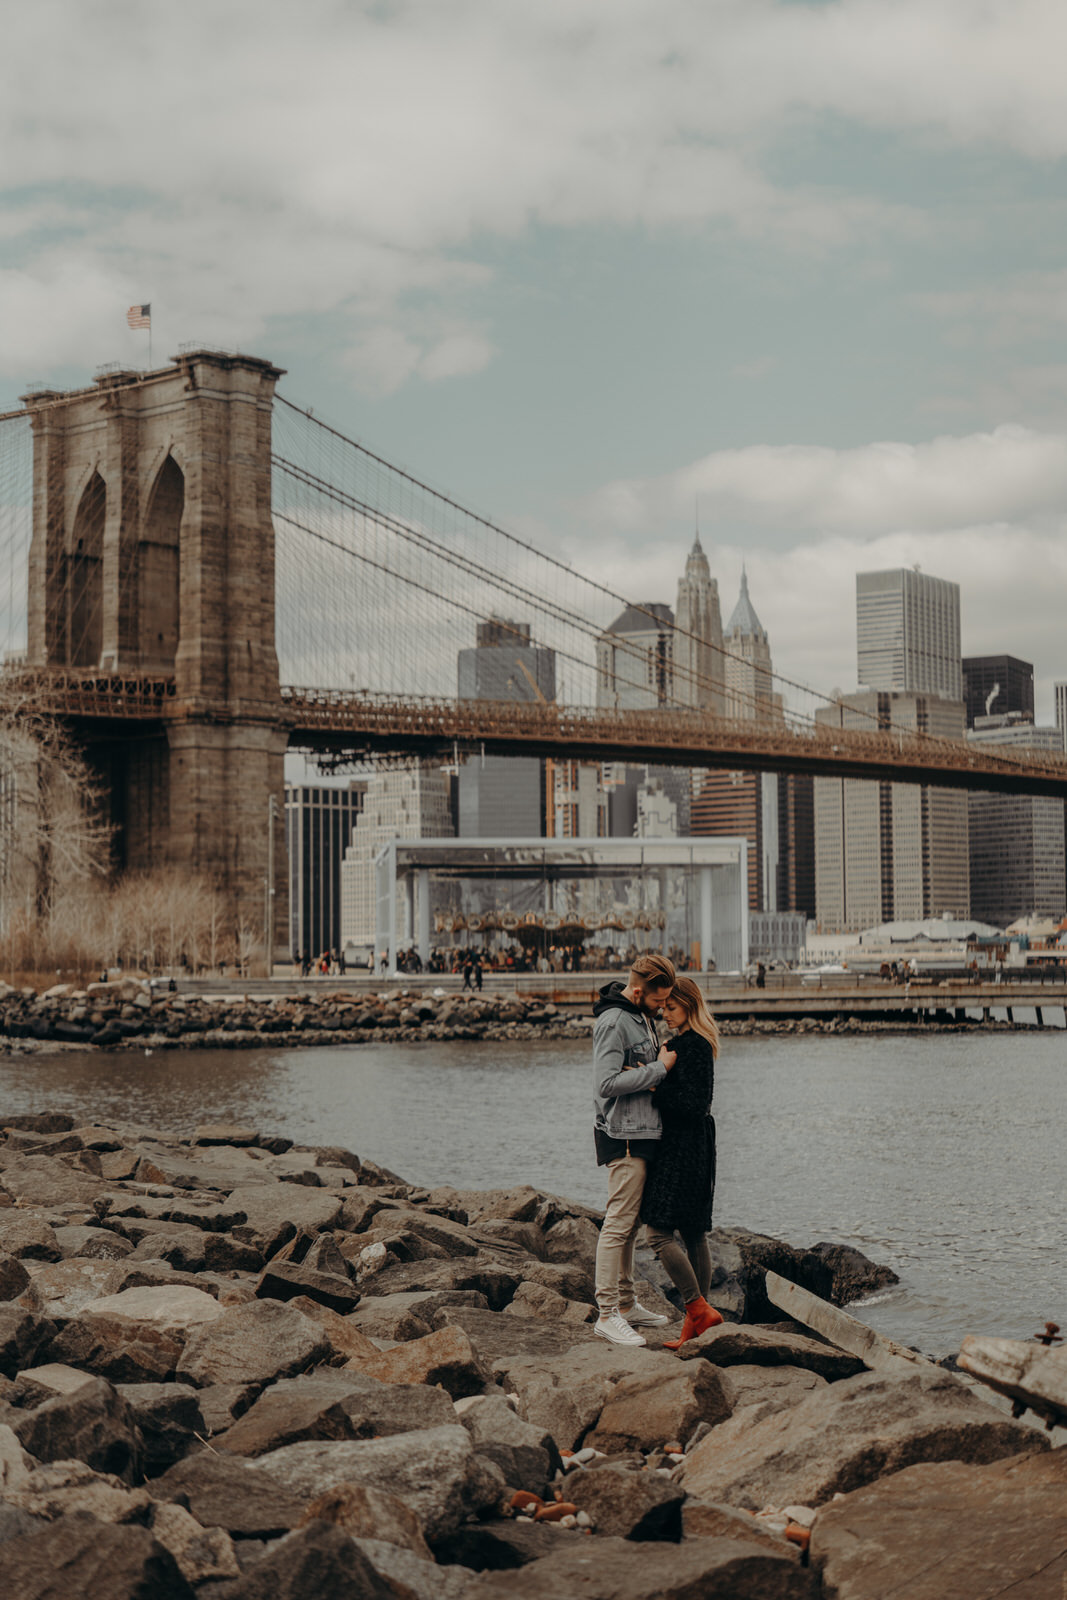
{"x": 680, "y": 1185}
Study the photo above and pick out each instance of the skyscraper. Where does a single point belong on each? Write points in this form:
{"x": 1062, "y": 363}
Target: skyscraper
{"x": 318, "y": 824}
{"x": 698, "y": 654}
{"x": 635, "y": 659}
{"x": 908, "y": 632}
{"x": 996, "y": 686}
{"x": 1016, "y": 840}
{"x": 411, "y": 803}
{"x": 772, "y": 811}
{"x": 503, "y": 796}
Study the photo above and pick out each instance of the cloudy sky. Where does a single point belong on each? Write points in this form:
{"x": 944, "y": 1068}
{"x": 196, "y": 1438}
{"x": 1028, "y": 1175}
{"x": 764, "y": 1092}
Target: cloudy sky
{"x": 592, "y": 264}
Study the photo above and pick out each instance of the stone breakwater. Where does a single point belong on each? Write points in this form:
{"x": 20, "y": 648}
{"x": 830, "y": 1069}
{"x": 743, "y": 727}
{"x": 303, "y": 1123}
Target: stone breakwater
{"x": 132, "y": 1012}
{"x": 236, "y": 1368}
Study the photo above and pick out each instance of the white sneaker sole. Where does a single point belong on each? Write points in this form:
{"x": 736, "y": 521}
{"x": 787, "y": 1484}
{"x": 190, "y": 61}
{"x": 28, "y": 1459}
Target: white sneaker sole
{"x": 614, "y": 1338}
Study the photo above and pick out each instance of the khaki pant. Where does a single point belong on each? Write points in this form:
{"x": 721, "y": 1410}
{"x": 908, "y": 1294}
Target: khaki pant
{"x": 618, "y": 1236}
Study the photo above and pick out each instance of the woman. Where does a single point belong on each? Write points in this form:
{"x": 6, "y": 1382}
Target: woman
{"x": 681, "y": 1180}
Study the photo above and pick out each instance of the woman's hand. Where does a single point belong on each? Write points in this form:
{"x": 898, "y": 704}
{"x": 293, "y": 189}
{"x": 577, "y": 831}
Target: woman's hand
{"x": 667, "y": 1057}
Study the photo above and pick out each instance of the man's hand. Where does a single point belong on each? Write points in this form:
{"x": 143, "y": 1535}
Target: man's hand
{"x": 667, "y": 1057}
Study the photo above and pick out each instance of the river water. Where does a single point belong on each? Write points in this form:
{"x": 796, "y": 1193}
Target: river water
{"x": 941, "y": 1156}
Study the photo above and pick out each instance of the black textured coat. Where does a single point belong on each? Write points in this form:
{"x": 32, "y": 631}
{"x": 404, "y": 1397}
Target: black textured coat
{"x": 680, "y": 1185}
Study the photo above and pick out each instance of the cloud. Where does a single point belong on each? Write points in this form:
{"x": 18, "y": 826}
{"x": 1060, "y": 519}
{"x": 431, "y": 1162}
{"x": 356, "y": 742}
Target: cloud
{"x": 340, "y": 159}
{"x": 1009, "y": 473}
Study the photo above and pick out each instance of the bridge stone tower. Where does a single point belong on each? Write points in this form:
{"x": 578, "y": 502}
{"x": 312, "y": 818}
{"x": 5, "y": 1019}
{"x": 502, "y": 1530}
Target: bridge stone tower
{"x": 152, "y": 555}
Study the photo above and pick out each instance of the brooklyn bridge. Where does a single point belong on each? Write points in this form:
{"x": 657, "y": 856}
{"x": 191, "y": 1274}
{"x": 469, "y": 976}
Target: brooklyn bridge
{"x": 201, "y": 575}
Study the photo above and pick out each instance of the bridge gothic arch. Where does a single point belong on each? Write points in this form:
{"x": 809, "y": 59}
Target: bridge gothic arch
{"x": 83, "y": 589}
{"x": 158, "y": 570}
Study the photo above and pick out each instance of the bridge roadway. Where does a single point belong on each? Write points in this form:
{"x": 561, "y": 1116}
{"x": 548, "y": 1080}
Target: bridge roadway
{"x": 357, "y": 725}
{"x": 787, "y": 996}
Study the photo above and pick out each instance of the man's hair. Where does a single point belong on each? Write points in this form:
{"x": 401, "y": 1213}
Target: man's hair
{"x": 653, "y": 972}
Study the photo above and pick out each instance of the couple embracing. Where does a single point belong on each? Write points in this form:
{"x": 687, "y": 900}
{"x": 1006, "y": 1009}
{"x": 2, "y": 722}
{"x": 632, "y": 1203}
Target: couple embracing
{"x": 654, "y": 1133}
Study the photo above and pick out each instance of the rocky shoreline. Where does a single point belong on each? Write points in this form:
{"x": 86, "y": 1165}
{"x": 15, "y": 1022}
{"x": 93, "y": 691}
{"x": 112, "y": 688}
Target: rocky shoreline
{"x": 132, "y": 1012}
{"x": 236, "y": 1368}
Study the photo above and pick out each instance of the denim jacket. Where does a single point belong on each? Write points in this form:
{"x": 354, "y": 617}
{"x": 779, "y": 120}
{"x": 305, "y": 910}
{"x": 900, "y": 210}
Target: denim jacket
{"x": 625, "y": 1068}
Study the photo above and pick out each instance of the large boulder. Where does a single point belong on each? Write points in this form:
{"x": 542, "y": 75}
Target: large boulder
{"x": 368, "y": 1513}
{"x": 70, "y": 1488}
{"x": 137, "y": 1335}
{"x": 996, "y": 1529}
{"x": 274, "y": 1212}
{"x": 79, "y": 1556}
{"x": 46, "y": 1181}
{"x": 318, "y": 1559}
{"x": 767, "y": 1389}
{"x": 28, "y": 1237}
{"x": 291, "y": 1410}
{"x": 170, "y": 1420}
{"x": 433, "y": 1471}
{"x": 224, "y": 1492}
{"x": 565, "y": 1394}
{"x": 618, "y": 1569}
{"x": 94, "y": 1424}
{"x": 647, "y": 1410}
{"x": 253, "y": 1343}
{"x": 854, "y": 1274}
{"x": 202, "y": 1554}
{"x": 14, "y": 1279}
{"x": 525, "y": 1454}
{"x": 729, "y": 1345}
{"x": 22, "y": 1334}
{"x": 628, "y": 1504}
{"x": 445, "y": 1358}
{"x": 848, "y": 1435}
{"x": 494, "y": 1337}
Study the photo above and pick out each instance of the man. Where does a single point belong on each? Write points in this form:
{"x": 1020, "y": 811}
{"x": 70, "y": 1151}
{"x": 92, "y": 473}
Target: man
{"x": 626, "y": 1129}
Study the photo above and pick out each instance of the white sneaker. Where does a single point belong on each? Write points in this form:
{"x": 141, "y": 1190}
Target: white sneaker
{"x": 640, "y": 1316}
{"x": 615, "y": 1327}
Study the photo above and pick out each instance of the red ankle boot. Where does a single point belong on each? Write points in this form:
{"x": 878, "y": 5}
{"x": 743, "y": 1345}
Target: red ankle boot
{"x": 699, "y": 1317}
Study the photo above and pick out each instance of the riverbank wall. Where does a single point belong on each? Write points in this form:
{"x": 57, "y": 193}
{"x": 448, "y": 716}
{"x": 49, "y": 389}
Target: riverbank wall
{"x": 135, "y": 1013}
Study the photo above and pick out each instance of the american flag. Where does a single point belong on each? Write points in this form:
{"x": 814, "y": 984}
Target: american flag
{"x": 139, "y": 316}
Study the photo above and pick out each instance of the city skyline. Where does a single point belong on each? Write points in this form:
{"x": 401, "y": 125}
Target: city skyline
{"x": 589, "y": 267}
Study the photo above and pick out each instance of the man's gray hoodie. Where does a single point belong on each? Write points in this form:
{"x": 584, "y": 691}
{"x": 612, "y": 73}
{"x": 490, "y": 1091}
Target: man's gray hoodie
{"x": 625, "y": 1068}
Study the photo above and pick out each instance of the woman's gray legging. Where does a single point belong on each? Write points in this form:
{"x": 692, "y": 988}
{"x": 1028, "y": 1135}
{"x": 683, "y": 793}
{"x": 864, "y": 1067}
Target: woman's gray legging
{"x": 689, "y": 1269}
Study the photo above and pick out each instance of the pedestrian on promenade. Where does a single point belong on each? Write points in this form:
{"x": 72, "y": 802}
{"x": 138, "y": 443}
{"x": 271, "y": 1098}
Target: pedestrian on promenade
{"x": 626, "y": 1131}
{"x": 680, "y": 1186}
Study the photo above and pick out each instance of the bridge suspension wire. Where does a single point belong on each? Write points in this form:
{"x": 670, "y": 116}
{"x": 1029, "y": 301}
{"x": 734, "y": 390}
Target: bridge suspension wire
{"x": 333, "y": 475}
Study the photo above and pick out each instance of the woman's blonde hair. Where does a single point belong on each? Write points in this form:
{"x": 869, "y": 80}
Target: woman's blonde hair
{"x": 689, "y": 996}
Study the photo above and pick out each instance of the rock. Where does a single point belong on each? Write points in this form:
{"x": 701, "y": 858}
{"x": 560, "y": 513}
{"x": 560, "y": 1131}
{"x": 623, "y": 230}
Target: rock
{"x": 644, "y": 1411}
{"x": 225, "y": 1133}
{"x": 285, "y": 1280}
{"x": 290, "y": 1410}
{"x": 433, "y": 1471}
{"x": 1031, "y": 1375}
{"x": 170, "y": 1420}
{"x": 66, "y": 1488}
{"x": 485, "y": 1277}
{"x": 410, "y": 1576}
{"x": 254, "y": 1343}
{"x": 380, "y": 1409}
{"x": 222, "y": 1403}
{"x": 66, "y": 1288}
{"x": 274, "y": 1212}
{"x": 45, "y": 1181}
{"x": 38, "y": 1121}
{"x": 189, "y": 1249}
{"x": 996, "y": 1529}
{"x": 318, "y": 1559}
{"x": 853, "y": 1274}
{"x": 202, "y": 1554}
{"x": 525, "y": 1454}
{"x": 224, "y": 1492}
{"x": 493, "y": 1337}
{"x": 573, "y": 1282}
{"x": 28, "y": 1238}
{"x": 767, "y": 1389}
{"x": 571, "y": 1240}
{"x": 445, "y": 1358}
{"x": 703, "y": 1521}
{"x": 847, "y": 1435}
{"x": 77, "y": 1556}
{"x": 347, "y": 1342}
{"x": 137, "y": 1335}
{"x": 368, "y": 1513}
{"x": 94, "y": 1244}
{"x": 22, "y": 1335}
{"x": 15, "y": 1464}
{"x": 34, "y": 1385}
{"x": 512, "y": 1205}
{"x": 565, "y": 1394}
{"x": 618, "y": 1569}
{"x": 14, "y": 1279}
{"x": 729, "y": 1345}
{"x": 94, "y": 1425}
{"x": 628, "y": 1504}
{"x": 535, "y": 1300}
{"x": 497, "y": 1546}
